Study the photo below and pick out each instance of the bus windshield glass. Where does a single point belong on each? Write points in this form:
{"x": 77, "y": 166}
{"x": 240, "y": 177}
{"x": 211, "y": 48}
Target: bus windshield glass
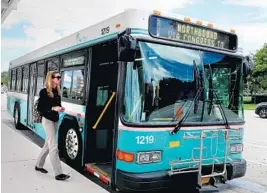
{"x": 163, "y": 82}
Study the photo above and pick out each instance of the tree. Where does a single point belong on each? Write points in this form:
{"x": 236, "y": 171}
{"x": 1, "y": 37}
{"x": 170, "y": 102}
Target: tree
{"x": 258, "y": 78}
{"x": 4, "y": 78}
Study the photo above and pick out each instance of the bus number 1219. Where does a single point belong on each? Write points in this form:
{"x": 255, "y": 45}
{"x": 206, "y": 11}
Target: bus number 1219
{"x": 145, "y": 139}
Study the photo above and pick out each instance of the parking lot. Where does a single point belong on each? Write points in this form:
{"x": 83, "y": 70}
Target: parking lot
{"x": 255, "y": 148}
{"x": 255, "y": 152}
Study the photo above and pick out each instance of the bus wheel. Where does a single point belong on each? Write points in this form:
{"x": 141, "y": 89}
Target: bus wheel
{"x": 70, "y": 144}
{"x": 17, "y": 123}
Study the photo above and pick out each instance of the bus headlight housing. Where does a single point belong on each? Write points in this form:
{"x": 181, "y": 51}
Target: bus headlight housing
{"x": 148, "y": 157}
{"x": 236, "y": 148}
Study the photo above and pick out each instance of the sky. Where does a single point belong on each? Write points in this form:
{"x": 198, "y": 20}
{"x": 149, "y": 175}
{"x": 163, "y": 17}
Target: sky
{"x": 37, "y": 23}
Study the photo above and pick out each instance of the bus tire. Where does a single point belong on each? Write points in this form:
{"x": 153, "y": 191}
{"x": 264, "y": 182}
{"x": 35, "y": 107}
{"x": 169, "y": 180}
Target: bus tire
{"x": 70, "y": 144}
{"x": 16, "y": 117}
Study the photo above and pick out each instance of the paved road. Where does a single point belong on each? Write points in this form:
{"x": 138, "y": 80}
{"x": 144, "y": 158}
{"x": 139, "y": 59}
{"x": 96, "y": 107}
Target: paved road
{"x": 18, "y": 157}
{"x": 255, "y": 152}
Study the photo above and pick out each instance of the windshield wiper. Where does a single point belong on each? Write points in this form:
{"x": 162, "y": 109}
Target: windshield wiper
{"x": 233, "y": 87}
{"x": 213, "y": 93}
{"x": 199, "y": 91}
{"x": 198, "y": 84}
{"x": 175, "y": 116}
{"x": 179, "y": 124}
{"x": 210, "y": 90}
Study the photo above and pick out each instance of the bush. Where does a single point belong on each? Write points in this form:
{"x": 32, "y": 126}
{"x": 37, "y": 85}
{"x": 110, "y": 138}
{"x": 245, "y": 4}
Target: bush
{"x": 248, "y": 100}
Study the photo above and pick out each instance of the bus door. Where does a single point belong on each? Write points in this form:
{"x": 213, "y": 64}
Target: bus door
{"x": 101, "y": 103}
{"x": 32, "y": 88}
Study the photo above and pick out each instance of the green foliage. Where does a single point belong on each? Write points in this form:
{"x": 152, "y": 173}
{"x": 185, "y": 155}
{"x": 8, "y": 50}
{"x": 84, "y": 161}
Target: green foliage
{"x": 4, "y": 78}
{"x": 258, "y": 78}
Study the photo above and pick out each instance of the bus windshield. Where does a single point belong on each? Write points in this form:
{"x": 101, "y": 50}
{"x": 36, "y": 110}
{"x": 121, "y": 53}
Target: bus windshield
{"x": 163, "y": 81}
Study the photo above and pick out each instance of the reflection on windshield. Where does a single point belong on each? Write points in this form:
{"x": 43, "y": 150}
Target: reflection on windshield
{"x": 163, "y": 81}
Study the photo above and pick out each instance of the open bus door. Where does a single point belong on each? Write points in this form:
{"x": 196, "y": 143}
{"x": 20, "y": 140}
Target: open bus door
{"x": 101, "y": 110}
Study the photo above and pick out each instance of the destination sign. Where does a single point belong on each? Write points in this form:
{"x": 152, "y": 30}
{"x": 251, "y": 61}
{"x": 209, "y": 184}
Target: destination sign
{"x": 74, "y": 61}
{"x": 180, "y": 31}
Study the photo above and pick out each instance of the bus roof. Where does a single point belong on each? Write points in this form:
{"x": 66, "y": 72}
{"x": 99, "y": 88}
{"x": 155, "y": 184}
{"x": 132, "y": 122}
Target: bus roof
{"x": 137, "y": 20}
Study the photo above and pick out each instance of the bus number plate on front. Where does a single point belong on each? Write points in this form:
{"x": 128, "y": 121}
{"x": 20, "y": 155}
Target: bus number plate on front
{"x": 141, "y": 140}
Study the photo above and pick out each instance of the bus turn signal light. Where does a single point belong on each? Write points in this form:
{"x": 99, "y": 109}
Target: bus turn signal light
{"x": 125, "y": 156}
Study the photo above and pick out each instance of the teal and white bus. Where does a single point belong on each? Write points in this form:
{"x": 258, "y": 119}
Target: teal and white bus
{"x": 152, "y": 100}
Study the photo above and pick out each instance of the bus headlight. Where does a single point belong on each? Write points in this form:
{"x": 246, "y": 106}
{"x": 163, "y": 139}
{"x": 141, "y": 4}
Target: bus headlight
{"x": 148, "y": 157}
{"x": 236, "y": 148}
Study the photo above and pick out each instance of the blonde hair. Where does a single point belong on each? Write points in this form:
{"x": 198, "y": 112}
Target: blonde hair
{"x": 49, "y": 83}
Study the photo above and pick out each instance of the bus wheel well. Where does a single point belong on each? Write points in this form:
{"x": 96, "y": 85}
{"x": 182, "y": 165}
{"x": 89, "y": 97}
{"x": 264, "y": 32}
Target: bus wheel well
{"x": 67, "y": 120}
{"x": 70, "y": 128}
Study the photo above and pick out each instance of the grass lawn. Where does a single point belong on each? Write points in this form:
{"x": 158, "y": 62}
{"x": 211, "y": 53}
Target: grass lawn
{"x": 249, "y": 106}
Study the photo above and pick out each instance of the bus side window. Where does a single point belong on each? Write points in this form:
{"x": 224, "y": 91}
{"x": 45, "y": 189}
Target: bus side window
{"x": 13, "y": 83}
{"x": 25, "y": 79}
{"x": 67, "y": 81}
{"x": 77, "y": 85}
{"x": 52, "y": 65}
{"x": 19, "y": 78}
{"x": 73, "y": 84}
{"x": 40, "y": 78}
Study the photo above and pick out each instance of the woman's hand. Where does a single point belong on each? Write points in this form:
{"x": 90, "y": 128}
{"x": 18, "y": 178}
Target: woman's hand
{"x": 58, "y": 109}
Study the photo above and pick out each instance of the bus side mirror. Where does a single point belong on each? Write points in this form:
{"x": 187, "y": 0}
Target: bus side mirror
{"x": 247, "y": 68}
{"x": 127, "y": 47}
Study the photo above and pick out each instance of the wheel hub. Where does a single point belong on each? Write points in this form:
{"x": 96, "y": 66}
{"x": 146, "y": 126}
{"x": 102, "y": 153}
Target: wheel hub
{"x": 72, "y": 145}
{"x": 263, "y": 113}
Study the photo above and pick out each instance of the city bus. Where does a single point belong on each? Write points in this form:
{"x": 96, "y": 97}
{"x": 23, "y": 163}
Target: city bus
{"x": 153, "y": 101}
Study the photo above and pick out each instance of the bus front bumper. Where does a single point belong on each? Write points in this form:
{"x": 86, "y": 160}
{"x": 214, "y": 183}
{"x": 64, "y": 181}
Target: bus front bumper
{"x": 161, "y": 180}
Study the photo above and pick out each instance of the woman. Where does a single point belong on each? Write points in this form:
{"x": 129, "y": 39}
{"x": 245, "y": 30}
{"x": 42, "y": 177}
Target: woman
{"x": 50, "y": 106}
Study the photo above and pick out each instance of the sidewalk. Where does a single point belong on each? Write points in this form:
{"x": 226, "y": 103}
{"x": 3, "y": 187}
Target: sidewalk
{"x": 18, "y": 161}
